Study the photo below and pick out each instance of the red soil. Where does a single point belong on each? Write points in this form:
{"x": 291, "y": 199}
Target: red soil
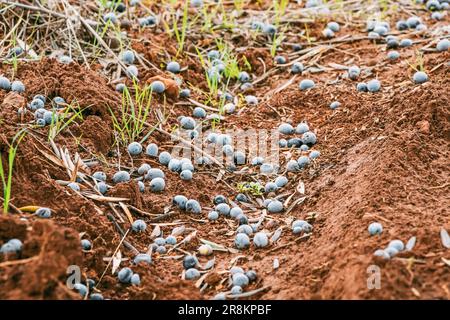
{"x": 384, "y": 157}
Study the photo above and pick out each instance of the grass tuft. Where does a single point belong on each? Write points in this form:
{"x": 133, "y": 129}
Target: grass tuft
{"x": 7, "y": 177}
{"x": 135, "y": 110}
{"x": 181, "y": 35}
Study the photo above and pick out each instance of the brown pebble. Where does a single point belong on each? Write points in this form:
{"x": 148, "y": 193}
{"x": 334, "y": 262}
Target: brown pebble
{"x": 113, "y": 43}
{"x": 423, "y": 126}
{"x": 126, "y": 24}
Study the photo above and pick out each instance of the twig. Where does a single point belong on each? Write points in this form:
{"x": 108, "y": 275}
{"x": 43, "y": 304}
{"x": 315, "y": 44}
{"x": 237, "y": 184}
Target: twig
{"x": 16, "y": 262}
{"x": 248, "y": 294}
{"x": 33, "y": 8}
{"x": 144, "y": 213}
{"x": 114, "y": 254}
{"x": 161, "y": 217}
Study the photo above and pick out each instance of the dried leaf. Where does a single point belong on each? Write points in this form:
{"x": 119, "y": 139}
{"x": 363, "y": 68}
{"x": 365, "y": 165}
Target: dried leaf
{"x": 52, "y": 158}
{"x": 260, "y": 202}
{"x": 445, "y": 238}
{"x": 410, "y": 244}
{"x": 73, "y": 177}
{"x": 284, "y": 85}
{"x": 235, "y": 260}
{"x": 104, "y": 199}
{"x": 233, "y": 251}
{"x": 247, "y": 205}
{"x": 156, "y": 232}
{"x": 214, "y": 245}
{"x": 276, "y": 263}
{"x": 288, "y": 200}
{"x": 248, "y": 293}
{"x": 70, "y": 164}
{"x": 26, "y": 47}
{"x": 178, "y": 231}
{"x": 209, "y": 265}
{"x": 81, "y": 163}
{"x": 301, "y": 187}
{"x": 337, "y": 66}
{"x": 55, "y": 150}
{"x": 199, "y": 282}
{"x": 315, "y": 70}
{"x": 127, "y": 212}
{"x": 296, "y": 202}
{"x": 446, "y": 261}
{"x": 276, "y": 235}
{"x": 220, "y": 175}
{"x": 117, "y": 259}
{"x": 190, "y": 236}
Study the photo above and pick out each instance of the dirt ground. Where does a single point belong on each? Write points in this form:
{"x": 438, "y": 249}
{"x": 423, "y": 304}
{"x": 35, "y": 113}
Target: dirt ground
{"x": 384, "y": 157}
